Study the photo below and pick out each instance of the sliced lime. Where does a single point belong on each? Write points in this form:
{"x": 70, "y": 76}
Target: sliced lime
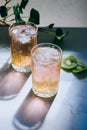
{"x": 69, "y": 62}
{"x": 80, "y": 67}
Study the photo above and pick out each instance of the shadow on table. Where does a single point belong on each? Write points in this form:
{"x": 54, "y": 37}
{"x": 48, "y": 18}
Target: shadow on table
{"x": 32, "y": 112}
{"x": 81, "y": 75}
{"x": 11, "y": 82}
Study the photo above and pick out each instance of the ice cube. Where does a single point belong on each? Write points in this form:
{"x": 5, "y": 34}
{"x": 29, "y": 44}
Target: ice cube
{"x": 24, "y": 40}
{"x": 29, "y": 30}
{"x": 50, "y": 53}
{"x": 40, "y": 58}
{"x": 15, "y": 31}
{"x": 23, "y": 30}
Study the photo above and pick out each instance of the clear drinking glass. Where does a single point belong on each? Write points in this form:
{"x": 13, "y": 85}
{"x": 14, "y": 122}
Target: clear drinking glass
{"x": 22, "y": 38}
{"x": 46, "y": 65}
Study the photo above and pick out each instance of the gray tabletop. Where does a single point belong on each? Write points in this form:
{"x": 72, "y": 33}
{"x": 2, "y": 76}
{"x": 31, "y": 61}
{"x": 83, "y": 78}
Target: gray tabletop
{"x": 69, "y": 108}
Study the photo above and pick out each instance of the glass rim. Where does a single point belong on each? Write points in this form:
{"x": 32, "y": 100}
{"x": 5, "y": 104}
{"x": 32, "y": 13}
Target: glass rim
{"x": 41, "y": 45}
{"x": 25, "y": 23}
{"x": 37, "y": 45}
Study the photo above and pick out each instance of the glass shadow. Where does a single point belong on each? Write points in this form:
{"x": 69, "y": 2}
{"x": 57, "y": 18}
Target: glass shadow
{"x": 32, "y": 112}
{"x": 11, "y": 82}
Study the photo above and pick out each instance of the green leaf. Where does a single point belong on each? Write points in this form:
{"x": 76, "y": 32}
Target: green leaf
{"x": 59, "y": 32}
{"x": 34, "y": 16}
{"x": 16, "y": 10}
{"x": 51, "y": 26}
{"x": 21, "y": 11}
{"x": 60, "y": 37}
{"x": 24, "y": 3}
{"x": 3, "y": 11}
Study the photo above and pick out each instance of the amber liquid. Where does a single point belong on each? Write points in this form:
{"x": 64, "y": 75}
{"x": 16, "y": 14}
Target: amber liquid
{"x": 21, "y": 46}
{"x": 21, "y": 52}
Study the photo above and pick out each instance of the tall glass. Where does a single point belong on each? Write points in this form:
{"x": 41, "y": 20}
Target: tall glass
{"x": 46, "y": 65}
{"x": 22, "y": 38}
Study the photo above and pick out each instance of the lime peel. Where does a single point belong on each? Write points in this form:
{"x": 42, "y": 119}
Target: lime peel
{"x": 80, "y": 67}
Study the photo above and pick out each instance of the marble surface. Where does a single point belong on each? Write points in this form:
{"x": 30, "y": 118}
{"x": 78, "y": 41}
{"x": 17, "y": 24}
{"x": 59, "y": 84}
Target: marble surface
{"x": 69, "y": 108}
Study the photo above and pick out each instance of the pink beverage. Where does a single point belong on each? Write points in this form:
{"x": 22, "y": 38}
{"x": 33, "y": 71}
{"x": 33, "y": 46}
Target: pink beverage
{"x": 46, "y": 64}
{"x": 22, "y": 37}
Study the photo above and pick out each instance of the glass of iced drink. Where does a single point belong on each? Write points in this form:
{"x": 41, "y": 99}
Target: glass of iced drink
{"x": 22, "y": 38}
{"x": 46, "y": 65}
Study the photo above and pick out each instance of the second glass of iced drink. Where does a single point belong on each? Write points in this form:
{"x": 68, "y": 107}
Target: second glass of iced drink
{"x": 46, "y": 65}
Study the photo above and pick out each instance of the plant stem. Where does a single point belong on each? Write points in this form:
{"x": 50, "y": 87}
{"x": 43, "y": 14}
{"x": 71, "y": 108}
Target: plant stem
{"x": 7, "y": 2}
{"x": 2, "y": 22}
{"x": 9, "y": 15}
